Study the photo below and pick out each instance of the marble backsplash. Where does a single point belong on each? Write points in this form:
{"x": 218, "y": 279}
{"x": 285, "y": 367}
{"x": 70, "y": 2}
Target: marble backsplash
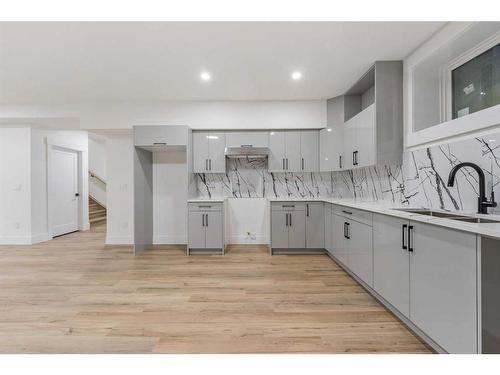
{"x": 420, "y": 181}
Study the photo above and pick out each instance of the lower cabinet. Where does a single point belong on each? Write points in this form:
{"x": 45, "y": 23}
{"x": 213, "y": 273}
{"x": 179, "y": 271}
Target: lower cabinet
{"x": 391, "y": 261}
{"x": 288, "y": 225}
{"x": 315, "y": 225}
{"x": 328, "y": 228}
{"x": 429, "y": 274}
{"x": 443, "y": 286}
{"x": 205, "y": 226}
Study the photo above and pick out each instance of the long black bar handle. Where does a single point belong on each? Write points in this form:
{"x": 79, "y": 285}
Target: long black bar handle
{"x": 410, "y": 239}
{"x": 403, "y": 242}
{"x": 345, "y": 231}
{"x": 290, "y": 219}
{"x": 353, "y": 158}
{"x": 307, "y": 209}
{"x": 206, "y": 220}
{"x": 286, "y": 219}
{"x": 340, "y": 161}
{"x": 348, "y": 231}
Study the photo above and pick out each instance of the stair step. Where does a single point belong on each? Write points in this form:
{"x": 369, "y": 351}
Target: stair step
{"x": 98, "y": 211}
{"x": 97, "y": 220}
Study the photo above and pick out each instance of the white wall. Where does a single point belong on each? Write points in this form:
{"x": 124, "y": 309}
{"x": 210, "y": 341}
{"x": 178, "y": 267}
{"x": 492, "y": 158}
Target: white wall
{"x": 15, "y": 186}
{"x": 247, "y": 215}
{"x": 197, "y": 115}
{"x": 120, "y": 194}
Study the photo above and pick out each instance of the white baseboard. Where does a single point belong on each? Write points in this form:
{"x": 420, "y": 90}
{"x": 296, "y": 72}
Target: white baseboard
{"x": 15, "y": 240}
{"x": 244, "y": 239}
{"x": 169, "y": 240}
{"x": 119, "y": 240}
{"x": 41, "y": 237}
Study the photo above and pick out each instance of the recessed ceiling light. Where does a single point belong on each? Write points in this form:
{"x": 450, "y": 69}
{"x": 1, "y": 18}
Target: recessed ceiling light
{"x": 205, "y": 76}
{"x": 329, "y": 129}
{"x": 296, "y": 75}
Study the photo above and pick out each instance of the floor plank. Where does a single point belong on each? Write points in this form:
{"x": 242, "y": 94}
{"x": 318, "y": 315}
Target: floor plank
{"x": 75, "y": 295}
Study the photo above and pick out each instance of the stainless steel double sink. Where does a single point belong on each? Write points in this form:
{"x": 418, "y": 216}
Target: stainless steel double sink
{"x": 447, "y": 215}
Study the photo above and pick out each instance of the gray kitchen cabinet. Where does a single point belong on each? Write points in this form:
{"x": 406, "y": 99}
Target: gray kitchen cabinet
{"x": 292, "y": 148}
{"x": 315, "y": 225}
{"x": 391, "y": 261}
{"x": 205, "y": 226}
{"x": 309, "y": 151}
{"x": 360, "y": 248}
{"x": 328, "y": 228}
{"x": 340, "y": 233}
{"x": 293, "y": 151}
{"x": 277, "y": 151}
{"x": 331, "y": 138}
{"x": 443, "y": 285}
{"x": 247, "y": 138}
{"x": 208, "y": 152}
{"x": 288, "y": 225}
{"x": 147, "y": 136}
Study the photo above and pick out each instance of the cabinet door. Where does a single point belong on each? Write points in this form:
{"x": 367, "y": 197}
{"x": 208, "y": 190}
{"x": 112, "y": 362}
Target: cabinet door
{"x": 200, "y": 152}
{"x": 247, "y": 138}
{"x": 391, "y": 262}
{"x": 328, "y": 228}
{"x": 348, "y": 139}
{"x": 338, "y": 148}
{"x": 213, "y": 226}
{"x": 277, "y": 155}
{"x": 326, "y": 151}
{"x": 361, "y": 251}
{"x": 292, "y": 151}
{"x": 216, "y": 158}
{"x": 196, "y": 230}
{"x": 297, "y": 230}
{"x": 309, "y": 150}
{"x": 340, "y": 243}
{"x": 443, "y": 286}
{"x": 365, "y": 137}
{"x": 315, "y": 225}
{"x": 279, "y": 230}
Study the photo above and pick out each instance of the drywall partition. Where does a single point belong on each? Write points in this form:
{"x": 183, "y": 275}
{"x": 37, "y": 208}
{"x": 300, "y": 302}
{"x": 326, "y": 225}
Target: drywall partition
{"x": 97, "y": 169}
{"x": 143, "y": 199}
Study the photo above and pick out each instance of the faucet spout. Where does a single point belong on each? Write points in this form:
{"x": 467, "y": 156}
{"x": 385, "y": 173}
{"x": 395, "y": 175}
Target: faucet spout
{"x": 483, "y": 202}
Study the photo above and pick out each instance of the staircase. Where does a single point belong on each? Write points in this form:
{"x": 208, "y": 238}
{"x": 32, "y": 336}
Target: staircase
{"x": 97, "y": 213}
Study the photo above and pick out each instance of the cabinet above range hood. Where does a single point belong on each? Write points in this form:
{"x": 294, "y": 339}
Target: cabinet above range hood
{"x": 246, "y": 151}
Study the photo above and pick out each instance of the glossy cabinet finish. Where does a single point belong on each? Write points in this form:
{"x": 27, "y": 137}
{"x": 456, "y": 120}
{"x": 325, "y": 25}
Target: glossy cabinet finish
{"x": 315, "y": 225}
{"x": 293, "y": 151}
{"x": 360, "y": 248}
{"x": 205, "y": 226}
{"x": 288, "y": 225}
{"x": 247, "y": 138}
{"x": 160, "y": 135}
{"x": 340, "y": 233}
{"x": 391, "y": 261}
{"x": 208, "y": 152}
{"x": 328, "y": 228}
{"x": 309, "y": 146}
{"x": 443, "y": 286}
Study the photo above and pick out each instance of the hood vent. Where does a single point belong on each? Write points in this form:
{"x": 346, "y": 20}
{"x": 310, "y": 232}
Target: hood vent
{"x": 247, "y": 151}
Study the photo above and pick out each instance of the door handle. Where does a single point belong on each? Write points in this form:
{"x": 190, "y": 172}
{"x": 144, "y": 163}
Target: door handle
{"x": 340, "y": 161}
{"x": 286, "y": 220}
{"x": 307, "y": 209}
{"x": 283, "y": 163}
{"x": 355, "y": 158}
{"x": 202, "y": 220}
{"x": 302, "y": 163}
{"x": 290, "y": 220}
{"x": 210, "y": 164}
{"x": 410, "y": 239}
{"x": 348, "y": 231}
{"x": 345, "y": 229}
{"x": 206, "y": 164}
{"x": 77, "y": 194}
{"x": 403, "y": 242}
{"x": 206, "y": 220}
{"x": 286, "y": 163}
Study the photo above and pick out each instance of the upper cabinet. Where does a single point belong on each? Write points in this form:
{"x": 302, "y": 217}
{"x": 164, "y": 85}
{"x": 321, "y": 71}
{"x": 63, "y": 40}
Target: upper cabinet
{"x": 247, "y": 138}
{"x": 208, "y": 152}
{"x": 293, "y": 151}
{"x": 365, "y": 126}
{"x": 157, "y": 137}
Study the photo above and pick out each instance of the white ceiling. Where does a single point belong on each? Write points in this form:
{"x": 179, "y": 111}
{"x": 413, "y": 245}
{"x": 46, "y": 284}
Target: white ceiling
{"x": 95, "y": 62}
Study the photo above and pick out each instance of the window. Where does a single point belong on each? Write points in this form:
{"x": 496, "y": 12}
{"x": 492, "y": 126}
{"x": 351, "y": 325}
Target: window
{"x": 476, "y": 83}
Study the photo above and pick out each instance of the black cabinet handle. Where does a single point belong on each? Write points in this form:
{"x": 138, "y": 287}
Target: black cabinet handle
{"x": 307, "y": 209}
{"x": 348, "y": 231}
{"x": 355, "y": 158}
{"x": 340, "y": 161}
{"x": 302, "y": 163}
{"x": 204, "y": 206}
{"x": 403, "y": 244}
{"x": 206, "y": 220}
{"x": 159, "y": 143}
{"x": 283, "y": 163}
{"x": 347, "y": 212}
{"x": 290, "y": 219}
{"x": 410, "y": 240}
{"x": 202, "y": 220}
{"x": 287, "y": 164}
{"x": 286, "y": 220}
{"x": 210, "y": 164}
{"x": 288, "y": 205}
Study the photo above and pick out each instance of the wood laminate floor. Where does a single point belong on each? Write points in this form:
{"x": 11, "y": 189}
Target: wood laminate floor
{"x": 75, "y": 295}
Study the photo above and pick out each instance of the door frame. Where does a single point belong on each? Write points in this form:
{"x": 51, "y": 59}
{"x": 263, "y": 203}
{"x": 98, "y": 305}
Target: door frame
{"x": 82, "y": 224}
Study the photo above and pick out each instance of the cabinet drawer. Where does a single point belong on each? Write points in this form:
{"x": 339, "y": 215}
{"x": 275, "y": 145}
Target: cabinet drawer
{"x": 288, "y": 206}
{"x": 360, "y": 216}
{"x": 209, "y": 206}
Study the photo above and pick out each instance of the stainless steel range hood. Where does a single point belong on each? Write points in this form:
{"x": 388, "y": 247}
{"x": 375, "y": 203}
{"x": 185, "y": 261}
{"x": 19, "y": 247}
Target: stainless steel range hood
{"x": 247, "y": 151}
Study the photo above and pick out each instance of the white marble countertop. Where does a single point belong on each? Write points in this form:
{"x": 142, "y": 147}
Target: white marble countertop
{"x": 206, "y": 200}
{"x": 386, "y": 208}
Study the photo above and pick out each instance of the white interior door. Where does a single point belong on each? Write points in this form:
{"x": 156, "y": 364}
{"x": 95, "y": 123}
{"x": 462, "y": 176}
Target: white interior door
{"x": 64, "y": 182}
